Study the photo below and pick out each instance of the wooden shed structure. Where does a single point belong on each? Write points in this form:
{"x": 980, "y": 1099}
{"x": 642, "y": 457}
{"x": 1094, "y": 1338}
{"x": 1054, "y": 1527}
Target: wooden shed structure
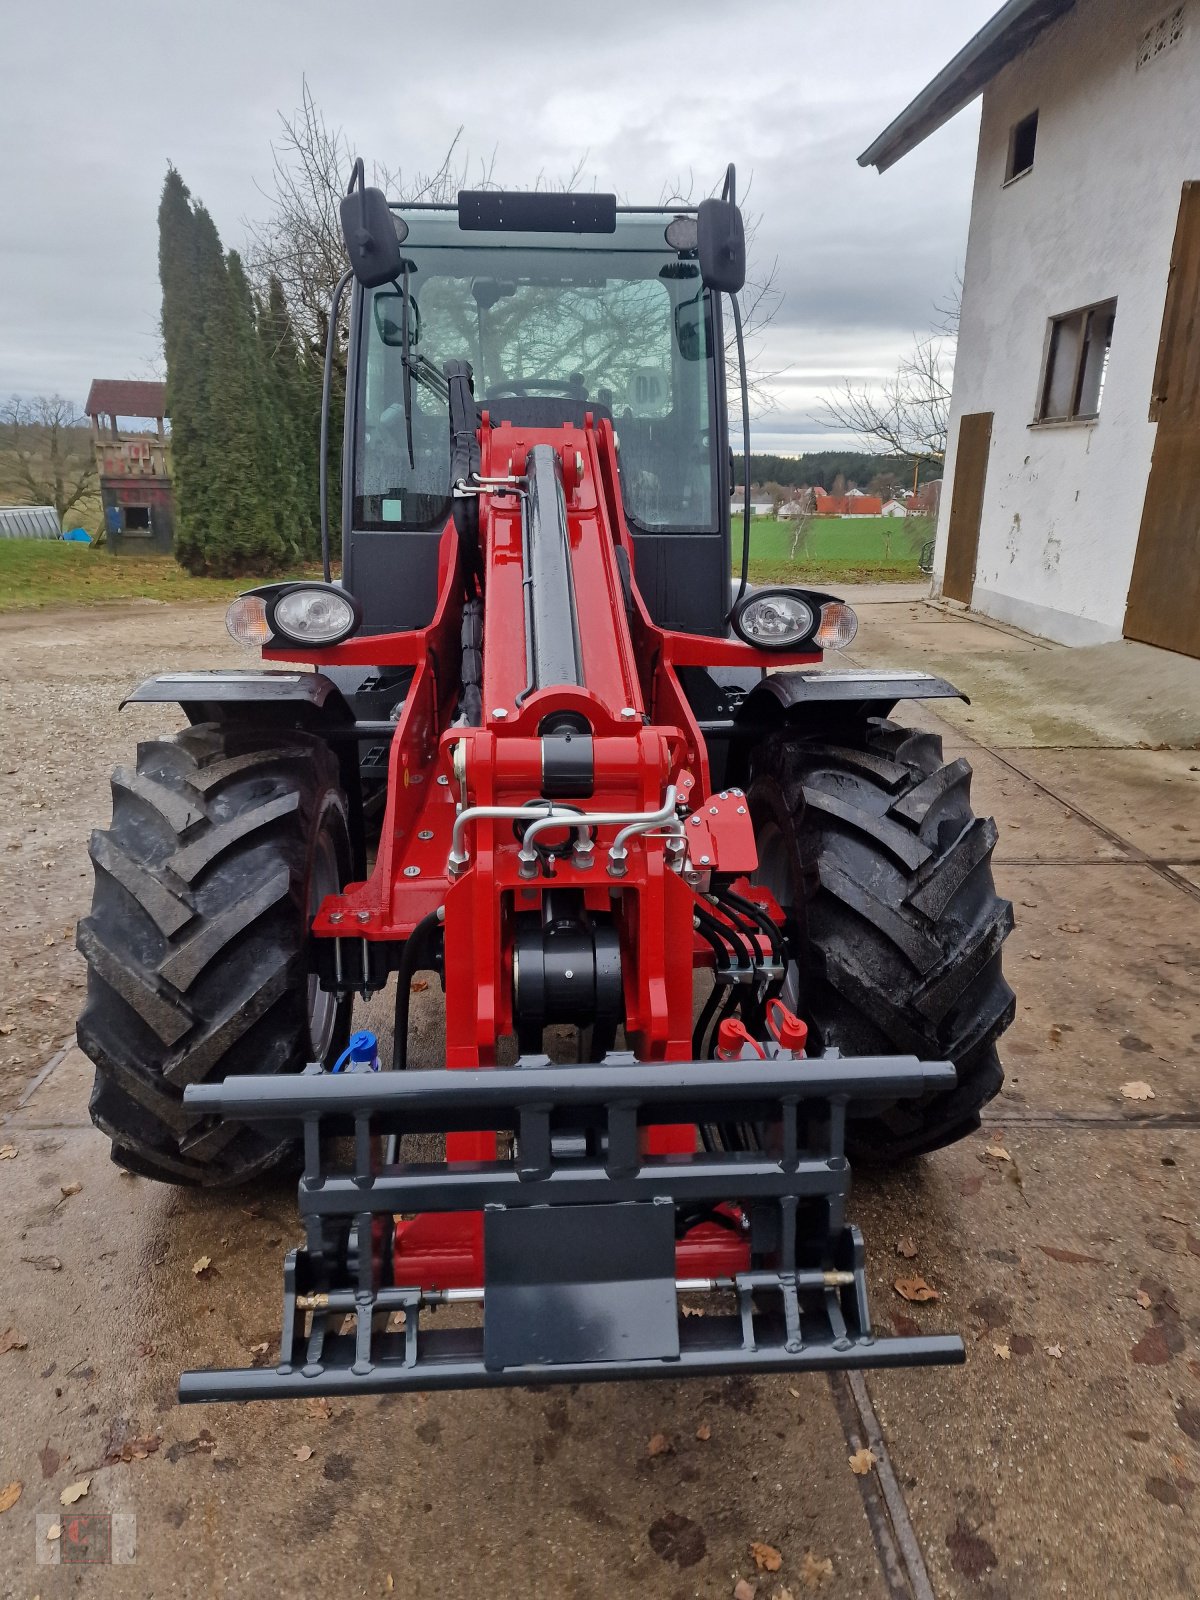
{"x": 133, "y": 463}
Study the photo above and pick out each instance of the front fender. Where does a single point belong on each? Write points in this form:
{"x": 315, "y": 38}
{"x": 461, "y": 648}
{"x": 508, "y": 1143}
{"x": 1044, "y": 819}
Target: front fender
{"x": 211, "y": 695}
{"x": 872, "y": 694}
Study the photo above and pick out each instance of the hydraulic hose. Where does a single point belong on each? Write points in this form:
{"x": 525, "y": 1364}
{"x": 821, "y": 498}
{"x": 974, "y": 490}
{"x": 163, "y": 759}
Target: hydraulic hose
{"x": 414, "y": 949}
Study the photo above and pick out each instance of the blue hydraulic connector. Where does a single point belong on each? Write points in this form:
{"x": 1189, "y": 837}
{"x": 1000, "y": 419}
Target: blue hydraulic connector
{"x": 360, "y": 1055}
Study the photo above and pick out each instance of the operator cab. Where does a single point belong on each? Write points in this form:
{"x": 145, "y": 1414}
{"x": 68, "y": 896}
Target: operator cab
{"x": 556, "y": 323}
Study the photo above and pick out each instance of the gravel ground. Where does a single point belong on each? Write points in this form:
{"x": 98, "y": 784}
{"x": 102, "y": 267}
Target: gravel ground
{"x": 62, "y": 678}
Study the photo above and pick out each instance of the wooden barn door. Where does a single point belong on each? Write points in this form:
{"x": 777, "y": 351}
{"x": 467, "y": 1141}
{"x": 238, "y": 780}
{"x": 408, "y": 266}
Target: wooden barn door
{"x": 966, "y": 505}
{"x": 1164, "y": 593}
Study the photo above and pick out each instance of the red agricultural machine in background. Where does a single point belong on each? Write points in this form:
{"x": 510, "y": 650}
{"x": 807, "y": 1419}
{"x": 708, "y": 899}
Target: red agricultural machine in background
{"x": 549, "y": 752}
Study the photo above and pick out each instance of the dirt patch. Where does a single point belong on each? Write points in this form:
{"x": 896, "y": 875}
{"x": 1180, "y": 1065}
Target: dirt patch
{"x": 62, "y": 678}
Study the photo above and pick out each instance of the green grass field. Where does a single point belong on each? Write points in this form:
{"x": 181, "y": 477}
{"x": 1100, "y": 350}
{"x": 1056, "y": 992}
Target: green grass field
{"x": 45, "y": 572}
{"x": 36, "y": 572}
{"x": 836, "y": 550}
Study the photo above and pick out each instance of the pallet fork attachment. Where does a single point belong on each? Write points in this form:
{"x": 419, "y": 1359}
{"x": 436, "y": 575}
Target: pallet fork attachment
{"x": 583, "y": 1233}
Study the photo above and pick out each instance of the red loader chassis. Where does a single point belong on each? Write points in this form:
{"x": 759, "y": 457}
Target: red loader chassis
{"x": 566, "y": 805}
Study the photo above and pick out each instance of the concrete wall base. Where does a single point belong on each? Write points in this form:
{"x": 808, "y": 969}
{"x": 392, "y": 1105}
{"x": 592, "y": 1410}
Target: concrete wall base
{"x": 1044, "y": 621}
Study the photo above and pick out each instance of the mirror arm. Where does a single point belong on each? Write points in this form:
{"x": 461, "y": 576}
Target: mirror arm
{"x": 326, "y": 391}
{"x": 406, "y": 368}
{"x": 745, "y": 388}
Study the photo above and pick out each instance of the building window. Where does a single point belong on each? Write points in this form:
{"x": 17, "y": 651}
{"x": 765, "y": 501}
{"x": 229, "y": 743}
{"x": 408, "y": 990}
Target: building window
{"x": 137, "y": 519}
{"x": 1022, "y": 140}
{"x": 1076, "y": 364}
{"x": 1161, "y": 36}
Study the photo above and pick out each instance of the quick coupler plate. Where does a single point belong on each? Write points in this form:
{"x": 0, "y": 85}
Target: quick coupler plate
{"x": 580, "y": 1226}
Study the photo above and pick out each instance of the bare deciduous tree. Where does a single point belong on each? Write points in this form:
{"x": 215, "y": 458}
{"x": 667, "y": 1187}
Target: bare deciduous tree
{"x": 46, "y": 452}
{"x": 300, "y": 241}
{"x": 908, "y": 414}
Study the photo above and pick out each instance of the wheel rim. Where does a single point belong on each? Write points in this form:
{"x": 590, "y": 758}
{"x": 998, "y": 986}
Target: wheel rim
{"x": 776, "y": 875}
{"x": 324, "y": 880}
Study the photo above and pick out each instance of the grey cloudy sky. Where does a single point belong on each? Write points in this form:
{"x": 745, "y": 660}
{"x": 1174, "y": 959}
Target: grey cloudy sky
{"x": 98, "y": 99}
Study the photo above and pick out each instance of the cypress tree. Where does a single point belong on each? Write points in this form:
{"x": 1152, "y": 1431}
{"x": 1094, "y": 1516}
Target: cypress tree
{"x": 187, "y": 368}
{"x": 295, "y": 407}
{"x": 234, "y": 505}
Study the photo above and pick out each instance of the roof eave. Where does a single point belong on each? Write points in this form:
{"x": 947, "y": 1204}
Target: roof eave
{"x": 1012, "y": 30}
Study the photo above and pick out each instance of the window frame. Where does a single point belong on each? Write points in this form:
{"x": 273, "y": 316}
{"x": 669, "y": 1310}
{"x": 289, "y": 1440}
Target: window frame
{"x": 1011, "y": 173}
{"x": 1083, "y": 317}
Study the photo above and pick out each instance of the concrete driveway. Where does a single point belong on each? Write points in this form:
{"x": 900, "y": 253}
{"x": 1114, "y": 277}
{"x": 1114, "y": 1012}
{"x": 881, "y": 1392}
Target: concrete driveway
{"x": 1064, "y": 1241}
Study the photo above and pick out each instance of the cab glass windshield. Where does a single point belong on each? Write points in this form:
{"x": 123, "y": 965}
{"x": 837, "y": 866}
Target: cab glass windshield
{"x": 553, "y": 327}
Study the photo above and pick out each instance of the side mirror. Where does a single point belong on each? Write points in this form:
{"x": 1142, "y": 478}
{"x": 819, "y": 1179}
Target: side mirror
{"x": 721, "y": 245}
{"x": 371, "y": 237}
{"x": 690, "y": 329}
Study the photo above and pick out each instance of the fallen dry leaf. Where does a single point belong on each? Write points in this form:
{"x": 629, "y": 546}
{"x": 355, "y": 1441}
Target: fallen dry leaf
{"x": 75, "y": 1491}
{"x": 997, "y": 1152}
{"x": 10, "y": 1339}
{"x": 303, "y": 1452}
{"x": 418, "y": 985}
{"x": 862, "y": 1461}
{"x": 54, "y": 1531}
{"x": 906, "y": 1247}
{"x": 1002, "y": 1350}
{"x": 660, "y": 1445}
{"x": 795, "y": 1393}
{"x": 10, "y": 1494}
{"x": 68, "y": 1189}
{"x": 1054, "y": 1351}
{"x": 7, "y": 1152}
{"x": 318, "y": 1408}
{"x": 743, "y": 1590}
{"x": 704, "y": 1433}
{"x": 1070, "y": 1258}
{"x": 1055, "y": 1032}
{"x": 1142, "y": 1298}
{"x": 43, "y": 1263}
{"x": 133, "y": 1450}
{"x": 50, "y": 1460}
{"x": 1135, "y": 1089}
{"x": 915, "y": 1288}
{"x": 1070, "y": 927}
{"x": 766, "y": 1557}
{"x": 815, "y": 1569}
{"x": 1034, "y": 955}
{"x": 201, "y": 1265}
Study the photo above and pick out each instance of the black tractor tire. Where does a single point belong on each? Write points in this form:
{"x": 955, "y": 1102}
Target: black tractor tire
{"x": 224, "y": 839}
{"x": 870, "y": 845}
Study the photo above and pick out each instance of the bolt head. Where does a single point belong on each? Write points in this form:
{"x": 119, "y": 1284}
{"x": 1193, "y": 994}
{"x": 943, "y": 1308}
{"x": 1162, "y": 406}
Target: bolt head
{"x": 425, "y": 833}
{"x": 628, "y": 713}
{"x": 741, "y": 811}
{"x": 443, "y": 779}
{"x": 695, "y": 821}
{"x": 363, "y": 916}
{"x": 499, "y": 712}
{"x": 412, "y": 872}
{"x": 704, "y": 861}
{"x": 335, "y": 916}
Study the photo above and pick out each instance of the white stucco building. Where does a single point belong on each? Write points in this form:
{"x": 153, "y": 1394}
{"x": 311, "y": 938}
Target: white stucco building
{"x": 1074, "y": 442}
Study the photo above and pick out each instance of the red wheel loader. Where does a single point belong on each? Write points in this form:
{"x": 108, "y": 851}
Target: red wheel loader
{"x": 538, "y": 742}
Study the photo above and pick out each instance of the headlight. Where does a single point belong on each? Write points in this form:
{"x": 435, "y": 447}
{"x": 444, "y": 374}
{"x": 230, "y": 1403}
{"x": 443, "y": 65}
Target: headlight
{"x": 774, "y": 619}
{"x": 313, "y": 615}
{"x": 837, "y": 626}
{"x": 246, "y": 620}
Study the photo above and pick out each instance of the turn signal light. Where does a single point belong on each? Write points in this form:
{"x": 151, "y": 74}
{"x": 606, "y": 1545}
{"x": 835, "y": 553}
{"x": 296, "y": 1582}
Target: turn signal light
{"x": 837, "y": 626}
{"x": 246, "y": 620}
